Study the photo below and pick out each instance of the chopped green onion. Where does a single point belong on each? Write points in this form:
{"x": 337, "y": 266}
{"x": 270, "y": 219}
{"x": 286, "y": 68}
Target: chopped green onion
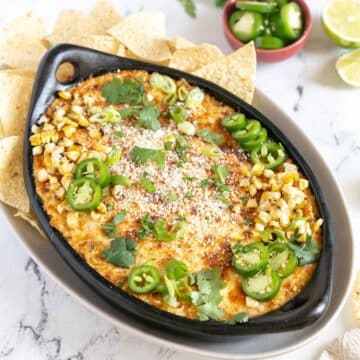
{"x": 195, "y": 98}
{"x": 211, "y": 151}
{"x": 121, "y": 180}
{"x": 187, "y": 128}
{"x": 107, "y": 115}
{"x": 163, "y": 83}
{"x": 147, "y": 184}
{"x": 170, "y": 99}
{"x": 169, "y": 145}
{"x": 183, "y": 92}
{"x": 171, "y": 196}
{"x": 113, "y": 157}
{"x": 178, "y": 114}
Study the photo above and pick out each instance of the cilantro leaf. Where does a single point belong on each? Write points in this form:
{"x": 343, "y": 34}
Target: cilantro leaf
{"x": 238, "y": 318}
{"x": 210, "y": 136}
{"x": 306, "y": 253}
{"x": 126, "y": 91}
{"x": 207, "y": 298}
{"x": 189, "y": 7}
{"x": 141, "y": 156}
{"x": 110, "y": 227}
{"x": 127, "y": 112}
{"x": 122, "y": 252}
{"x": 148, "y": 117}
{"x": 147, "y": 225}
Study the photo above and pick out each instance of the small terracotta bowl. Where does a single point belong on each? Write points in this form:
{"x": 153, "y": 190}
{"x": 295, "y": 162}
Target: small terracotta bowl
{"x": 269, "y": 55}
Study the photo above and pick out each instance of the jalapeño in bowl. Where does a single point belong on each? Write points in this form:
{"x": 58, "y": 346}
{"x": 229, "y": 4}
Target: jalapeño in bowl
{"x": 270, "y": 24}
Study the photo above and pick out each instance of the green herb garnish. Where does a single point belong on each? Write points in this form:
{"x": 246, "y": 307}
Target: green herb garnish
{"x": 147, "y": 225}
{"x": 141, "y": 156}
{"x": 171, "y": 196}
{"x": 207, "y": 298}
{"x": 126, "y": 91}
{"x": 127, "y": 112}
{"x": 147, "y": 184}
{"x": 110, "y": 227}
{"x": 223, "y": 199}
{"x": 306, "y": 253}
{"x": 189, "y": 7}
{"x": 122, "y": 252}
{"x": 239, "y": 318}
{"x": 119, "y": 134}
{"x": 148, "y": 117}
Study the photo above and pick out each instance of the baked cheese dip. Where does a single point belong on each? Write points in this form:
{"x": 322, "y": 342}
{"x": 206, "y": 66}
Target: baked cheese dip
{"x": 176, "y": 198}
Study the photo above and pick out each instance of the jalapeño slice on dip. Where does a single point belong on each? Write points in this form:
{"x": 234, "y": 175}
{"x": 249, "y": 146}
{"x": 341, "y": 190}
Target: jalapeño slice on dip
{"x": 175, "y": 197}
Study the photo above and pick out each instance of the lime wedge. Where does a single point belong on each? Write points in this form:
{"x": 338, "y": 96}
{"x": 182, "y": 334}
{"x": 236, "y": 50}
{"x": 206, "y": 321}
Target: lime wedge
{"x": 341, "y": 21}
{"x": 348, "y": 67}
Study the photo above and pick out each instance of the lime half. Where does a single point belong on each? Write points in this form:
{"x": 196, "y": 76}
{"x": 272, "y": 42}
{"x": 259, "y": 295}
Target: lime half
{"x": 341, "y": 20}
{"x": 348, "y": 67}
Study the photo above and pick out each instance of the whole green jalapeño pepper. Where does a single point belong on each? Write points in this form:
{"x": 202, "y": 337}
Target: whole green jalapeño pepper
{"x": 143, "y": 279}
{"x": 94, "y": 169}
{"x": 84, "y": 194}
{"x": 263, "y": 286}
{"x": 282, "y": 259}
{"x": 250, "y": 259}
{"x": 270, "y": 155}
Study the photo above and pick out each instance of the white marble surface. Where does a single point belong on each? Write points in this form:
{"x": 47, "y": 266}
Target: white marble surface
{"x": 40, "y": 321}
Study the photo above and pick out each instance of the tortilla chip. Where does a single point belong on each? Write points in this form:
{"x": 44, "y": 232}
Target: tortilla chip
{"x": 103, "y": 43}
{"x": 144, "y": 35}
{"x": 12, "y": 188}
{"x": 151, "y": 24}
{"x": 28, "y": 72}
{"x": 30, "y": 219}
{"x": 121, "y": 50}
{"x": 15, "y": 97}
{"x": 20, "y": 52}
{"x": 105, "y": 16}
{"x": 178, "y": 42}
{"x": 29, "y": 25}
{"x": 356, "y": 300}
{"x": 235, "y": 73}
{"x": 192, "y": 58}
{"x": 71, "y": 26}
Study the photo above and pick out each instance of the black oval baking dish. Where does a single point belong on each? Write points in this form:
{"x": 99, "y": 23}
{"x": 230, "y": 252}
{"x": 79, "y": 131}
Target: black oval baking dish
{"x": 309, "y": 306}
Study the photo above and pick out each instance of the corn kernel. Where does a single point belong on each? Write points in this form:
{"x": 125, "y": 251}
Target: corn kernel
{"x": 42, "y": 175}
{"x": 77, "y": 148}
{"x": 83, "y": 122}
{"x": 95, "y": 215}
{"x": 49, "y": 148}
{"x": 60, "y": 193}
{"x": 100, "y": 148}
{"x": 94, "y": 134}
{"x": 244, "y": 183}
{"x": 72, "y": 219}
{"x": 268, "y": 173}
{"x": 73, "y": 155}
{"x": 245, "y": 171}
{"x": 257, "y": 169}
{"x": 274, "y": 224}
{"x": 68, "y": 130}
{"x": 43, "y": 120}
{"x": 53, "y": 180}
{"x": 35, "y": 129}
{"x": 101, "y": 208}
{"x": 264, "y": 217}
{"x": 48, "y": 127}
{"x": 66, "y": 180}
{"x": 251, "y": 203}
{"x": 284, "y": 219}
{"x": 303, "y": 184}
{"x": 317, "y": 225}
{"x": 37, "y": 150}
{"x": 65, "y": 95}
{"x": 259, "y": 227}
{"x": 256, "y": 182}
{"x": 66, "y": 168}
{"x": 288, "y": 167}
{"x": 47, "y": 161}
{"x": 252, "y": 190}
{"x": 35, "y": 139}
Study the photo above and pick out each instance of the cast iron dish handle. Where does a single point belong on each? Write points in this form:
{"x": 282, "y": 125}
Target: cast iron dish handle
{"x": 310, "y": 305}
